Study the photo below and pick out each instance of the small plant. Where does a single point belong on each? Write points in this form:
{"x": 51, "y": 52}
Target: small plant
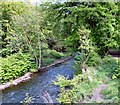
{"x": 47, "y": 61}
{"x": 27, "y": 100}
{"x": 111, "y": 92}
{"x": 49, "y": 56}
{"x": 56, "y": 54}
{"x": 117, "y": 71}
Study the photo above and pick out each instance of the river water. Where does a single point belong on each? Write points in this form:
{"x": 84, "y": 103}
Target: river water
{"x": 39, "y": 83}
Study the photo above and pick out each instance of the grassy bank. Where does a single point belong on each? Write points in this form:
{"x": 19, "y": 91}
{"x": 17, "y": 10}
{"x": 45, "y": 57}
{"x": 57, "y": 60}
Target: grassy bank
{"x": 80, "y": 88}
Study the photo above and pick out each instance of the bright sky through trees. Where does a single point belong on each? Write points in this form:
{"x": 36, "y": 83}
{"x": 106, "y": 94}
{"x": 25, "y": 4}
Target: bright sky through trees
{"x": 39, "y": 1}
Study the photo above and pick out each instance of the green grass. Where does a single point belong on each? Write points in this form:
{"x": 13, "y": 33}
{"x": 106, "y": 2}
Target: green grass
{"x": 111, "y": 92}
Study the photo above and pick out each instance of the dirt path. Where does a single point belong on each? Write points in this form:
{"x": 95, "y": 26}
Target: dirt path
{"x": 97, "y": 96}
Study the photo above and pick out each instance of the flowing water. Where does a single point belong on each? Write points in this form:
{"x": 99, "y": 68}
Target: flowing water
{"x": 39, "y": 83}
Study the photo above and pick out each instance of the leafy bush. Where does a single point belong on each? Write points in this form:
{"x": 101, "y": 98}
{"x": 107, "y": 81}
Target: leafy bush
{"x": 14, "y": 66}
{"x": 79, "y": 58}
{"x": 110, "y": 66}
{"x": 56, "y": 54}
{"x": 117, "y": 71}
{"x": 47, "y": 61}
{"x": 52, "y": 54}
{"x": 75, "y": 90}
{"x": 49, "y": 56}
{"x": 93, "y": 60}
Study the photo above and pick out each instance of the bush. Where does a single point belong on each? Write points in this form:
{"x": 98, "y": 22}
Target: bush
{"x": 117, "y": 71}
{"x": 110, "y": 66}
{"x": 47, "y": 61}
{"x": 52, "y": 54}
{"x": 93, "y": 60}
{"x": 15, "y": 66}
{"x": 49, "y": 56}
{"x": 79, "y": 58}
{"x": 75, "y": 90}
{"x": 56, "y": 54}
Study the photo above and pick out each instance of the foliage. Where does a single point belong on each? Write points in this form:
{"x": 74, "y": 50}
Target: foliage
{"x": 65, "y": 19}
{"x": 117, "y": 71}
{"x": 77, "y": 90}
{"x": 56, "y": 54}
{"x": 15, "y": 65}
{"x": 9, "y": 9}
{"x": 84, "y": 40}
{"x": 24, "y": 33}
{"x": 28, "y": 33}
{"x": 110, "y": 66}
{"x": 102, "y": 21}
{"x": 27, "y": 100}
{"x": 47, "y": 61}
{"x": 79, "y": 58}
{"x": 111, "y": 93}
{"x": 93, "y": 60}
{"x": 49, "y": 56}
{"x": 21, "y": 30}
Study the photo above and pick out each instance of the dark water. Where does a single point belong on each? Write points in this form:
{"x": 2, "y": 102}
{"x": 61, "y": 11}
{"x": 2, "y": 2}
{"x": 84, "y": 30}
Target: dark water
{"x": 39, "y": 83}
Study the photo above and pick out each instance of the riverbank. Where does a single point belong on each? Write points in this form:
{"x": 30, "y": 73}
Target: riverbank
{"x": 39, "y": 83}
{"x": 28, "y": 75}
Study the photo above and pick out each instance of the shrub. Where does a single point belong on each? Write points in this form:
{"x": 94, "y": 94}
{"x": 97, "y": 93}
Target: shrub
{"x": 94, "y": 59}
{"x": 52, "y": 54}
{"x": 117, "y": 71}
{"x": 110, "y": 66}
{"x": 47, "y": 61}
{"x": 79, "y": 58}
{"x": 56, "y": 54}
{"x": 75, "y": 90}
{"x": 14, "y": 66}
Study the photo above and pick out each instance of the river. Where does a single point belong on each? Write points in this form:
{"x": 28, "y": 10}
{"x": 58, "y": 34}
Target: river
{"x": 39, "y": 83}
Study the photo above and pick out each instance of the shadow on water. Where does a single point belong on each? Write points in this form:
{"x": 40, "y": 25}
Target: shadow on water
{"x": 39, "y": 83}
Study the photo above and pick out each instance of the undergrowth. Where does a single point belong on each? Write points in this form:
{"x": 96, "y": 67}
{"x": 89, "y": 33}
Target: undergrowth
{"x": 18, "y": 64}
{"x": 79, "y": 89}
{"x": 76, "y": 90}
{"x": 15, "y": 66}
